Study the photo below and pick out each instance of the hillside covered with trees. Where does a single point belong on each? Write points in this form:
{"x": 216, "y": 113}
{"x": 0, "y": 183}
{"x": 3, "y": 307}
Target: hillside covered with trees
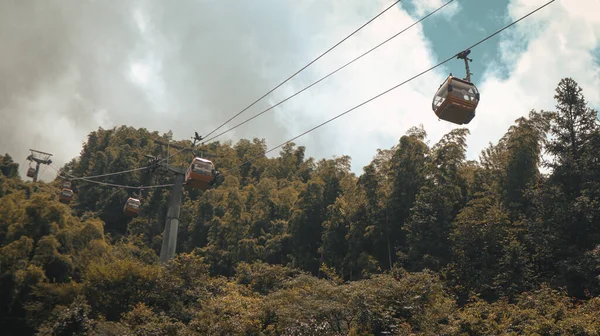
{"x": 423, "y": 242}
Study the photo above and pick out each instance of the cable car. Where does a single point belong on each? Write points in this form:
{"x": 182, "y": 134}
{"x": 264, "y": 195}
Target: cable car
{"x": 200, "y": 173}
{"x": 66, "y": 184}
{"x": 31, "y": 172}
{"x": 456, "y": 99}
{"x": 65, "y": 196}
{"x": 132, "y": 207}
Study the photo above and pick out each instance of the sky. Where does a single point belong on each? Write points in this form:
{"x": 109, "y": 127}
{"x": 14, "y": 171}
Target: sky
{"x": 70, "y": 67}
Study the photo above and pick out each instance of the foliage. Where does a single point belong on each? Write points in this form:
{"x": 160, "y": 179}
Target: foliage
{"x": 422, "y": 242}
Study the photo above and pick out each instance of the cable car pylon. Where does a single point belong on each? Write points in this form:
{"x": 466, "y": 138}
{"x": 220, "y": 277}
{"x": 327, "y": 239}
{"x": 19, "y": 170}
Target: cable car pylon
{"x": 181, "y": 176}
{"x": 39, "y": 158}
{"x": 169, "y": 241}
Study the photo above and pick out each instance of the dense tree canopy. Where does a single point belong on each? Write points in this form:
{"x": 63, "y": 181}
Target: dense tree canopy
{"x": 422, "y": 242}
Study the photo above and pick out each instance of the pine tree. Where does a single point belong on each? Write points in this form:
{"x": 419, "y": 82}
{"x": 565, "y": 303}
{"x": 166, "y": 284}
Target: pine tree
{"x": 8, "y": 167}
{"x": 523, "y": 146}
{"x": 572, "y": 129}
{"x": 568, "y": 223}
{"x": 437, "y": 203}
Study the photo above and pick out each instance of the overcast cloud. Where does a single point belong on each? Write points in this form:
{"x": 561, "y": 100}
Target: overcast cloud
{"x": 69, "y": 67}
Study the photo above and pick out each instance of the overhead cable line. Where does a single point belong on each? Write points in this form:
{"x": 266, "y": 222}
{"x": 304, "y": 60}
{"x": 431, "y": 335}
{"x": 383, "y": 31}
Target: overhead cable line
{"x": 42, "y": 173}
{"x": 109, "y": 174}
{"x": 306, "y": 66}
{"x": 110, "y": 184}
{"x": 129, "y": 187}
{"x": 353, "y": 108}
{"x": 73, "y": 178}
{"x": 400, "y": 84}
{"x": 331, "y": 73}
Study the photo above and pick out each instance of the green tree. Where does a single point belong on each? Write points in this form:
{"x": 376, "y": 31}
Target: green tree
{"x": 408, "y": 170}
{"x": 568, "y": 225}
{"x": 437, "y": 203}
{"x": 8, "y": 167}
{"x": 305, "y": 226}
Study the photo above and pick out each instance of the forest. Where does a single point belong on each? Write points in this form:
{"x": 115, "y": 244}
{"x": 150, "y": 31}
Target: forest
{"x": 423, "y": 242}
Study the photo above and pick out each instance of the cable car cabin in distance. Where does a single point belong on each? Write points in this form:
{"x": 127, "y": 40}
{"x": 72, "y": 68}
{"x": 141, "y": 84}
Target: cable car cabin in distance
{"x": 456, "y": 101}
{"x": 31, "y": 172}
{"x": 200, "y": 173}
{"x": 132, "y": 207}
{"x": 65, "y": 196}
{"x": 66, "y": 184}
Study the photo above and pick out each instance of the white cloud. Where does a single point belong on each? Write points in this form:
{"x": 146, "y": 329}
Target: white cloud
{"x": 424, "y": 7}
{"x": 560, "y": 40}
{"x": 380, "y": 123}
{"x": 202, "y": 68}
{"x": 204, "y": 62}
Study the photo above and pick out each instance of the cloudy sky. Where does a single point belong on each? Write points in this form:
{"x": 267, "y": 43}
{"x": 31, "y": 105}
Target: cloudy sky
{"x": 69, "y": 67}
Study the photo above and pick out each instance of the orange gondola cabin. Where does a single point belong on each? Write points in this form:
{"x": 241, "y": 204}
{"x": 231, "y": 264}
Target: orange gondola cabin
{"x": 200, "y": 173}
{"x": 31, "y": 172}
{"x": 132, "y": 207}
{"x": 456, "y": 101}
{"x": 65, "y": 196}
